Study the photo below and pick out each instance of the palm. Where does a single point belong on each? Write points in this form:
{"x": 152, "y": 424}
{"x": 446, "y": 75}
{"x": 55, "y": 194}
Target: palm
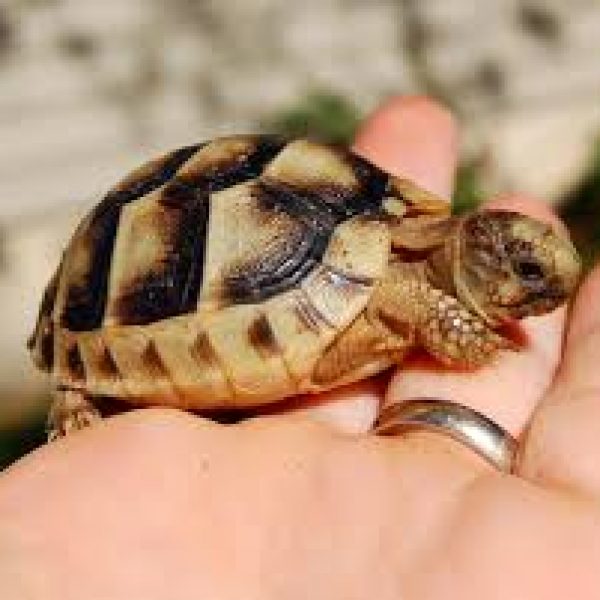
{"x": 158, "y": 504}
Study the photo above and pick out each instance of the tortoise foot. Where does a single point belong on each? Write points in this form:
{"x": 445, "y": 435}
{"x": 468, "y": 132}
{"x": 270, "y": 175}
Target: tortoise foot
{"x": 70, "y": 411}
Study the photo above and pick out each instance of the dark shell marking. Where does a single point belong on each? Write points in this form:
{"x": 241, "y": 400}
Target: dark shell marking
{"x": 203, "y": 351}
{"x": 262, "y": 337}
{"x": 75, "y": 364}
{"x": 318, "y": 210}
{"x": 171, "y": 285}
{"x": 153, "y": 362}
{"x": 87, "y": 290}
{"x": 42, "y": 339}
{"x": 107, "y": 366}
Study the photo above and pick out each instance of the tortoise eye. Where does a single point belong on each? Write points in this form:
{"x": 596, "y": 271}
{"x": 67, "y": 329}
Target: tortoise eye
{"x": 528, "y": 270}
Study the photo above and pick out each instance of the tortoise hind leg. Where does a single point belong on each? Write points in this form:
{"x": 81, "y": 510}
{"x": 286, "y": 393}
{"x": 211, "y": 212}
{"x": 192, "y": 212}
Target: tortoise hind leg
{"x": 71, "y": 411}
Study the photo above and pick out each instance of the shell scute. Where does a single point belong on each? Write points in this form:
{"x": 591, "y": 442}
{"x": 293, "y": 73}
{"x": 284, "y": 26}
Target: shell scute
{"x": 216, "y": 275}
{"x": 91, "y": 252}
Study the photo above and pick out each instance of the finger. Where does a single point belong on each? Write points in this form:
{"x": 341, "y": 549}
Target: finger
{"x": 563, "y": 443}
{"x": 414, "y": 137}
{"x": 507, "y": 390}
{"x": 417, "y": 138}
{"x": 352, "y": 408}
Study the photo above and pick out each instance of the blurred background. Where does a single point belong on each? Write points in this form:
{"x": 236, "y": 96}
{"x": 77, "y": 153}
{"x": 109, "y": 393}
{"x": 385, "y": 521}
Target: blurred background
{"x": 89, "y": 89}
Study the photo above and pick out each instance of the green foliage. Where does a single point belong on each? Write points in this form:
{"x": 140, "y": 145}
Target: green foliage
{"x": 324, "y": 114}
{"x": 581, "y": 209}
{"x": 468, "y": 191}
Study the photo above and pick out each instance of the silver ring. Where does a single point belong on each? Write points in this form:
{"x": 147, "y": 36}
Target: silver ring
{"x": 454, "y": 420}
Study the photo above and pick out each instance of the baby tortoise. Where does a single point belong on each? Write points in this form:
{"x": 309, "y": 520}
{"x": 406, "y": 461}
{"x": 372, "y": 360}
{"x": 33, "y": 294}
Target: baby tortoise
{"x": 244, "y": 270}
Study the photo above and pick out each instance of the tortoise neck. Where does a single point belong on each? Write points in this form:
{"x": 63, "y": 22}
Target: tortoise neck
{"x": 441, "y": 264}
{"x": 446, "y": 269}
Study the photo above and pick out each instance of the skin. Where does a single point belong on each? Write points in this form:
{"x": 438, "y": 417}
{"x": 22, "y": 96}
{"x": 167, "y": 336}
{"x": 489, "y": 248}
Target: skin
{"x": 158, "y": 504}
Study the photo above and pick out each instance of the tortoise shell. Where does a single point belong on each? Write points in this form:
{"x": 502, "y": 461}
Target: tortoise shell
{"x": 218, "y": 274}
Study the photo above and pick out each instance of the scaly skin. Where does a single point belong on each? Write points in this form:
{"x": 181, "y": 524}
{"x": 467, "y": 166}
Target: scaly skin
{"x": 506, "y": 265}
{"x": 437, "y": 321}
{"x": 490, "y": 268}
{"x": 494, "y": 267}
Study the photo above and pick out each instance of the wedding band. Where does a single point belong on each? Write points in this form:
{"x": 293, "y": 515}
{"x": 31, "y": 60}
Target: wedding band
{"x": 454, "y": 420}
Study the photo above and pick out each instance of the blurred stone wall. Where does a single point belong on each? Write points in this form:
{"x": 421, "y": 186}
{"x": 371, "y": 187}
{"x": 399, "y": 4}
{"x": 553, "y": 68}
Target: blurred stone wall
{"x": 88, "y": 89}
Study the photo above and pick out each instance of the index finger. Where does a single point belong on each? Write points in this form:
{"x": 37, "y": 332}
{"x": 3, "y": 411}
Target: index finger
{"x": 413, "y": 137}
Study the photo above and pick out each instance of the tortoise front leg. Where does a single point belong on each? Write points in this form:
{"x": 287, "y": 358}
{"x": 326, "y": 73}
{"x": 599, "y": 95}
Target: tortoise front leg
{"x": 454, "y": 335}
{"x": 71, "y": 410}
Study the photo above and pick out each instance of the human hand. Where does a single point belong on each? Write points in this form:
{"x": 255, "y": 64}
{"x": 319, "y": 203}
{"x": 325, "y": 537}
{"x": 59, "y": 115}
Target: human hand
{"x": 158, "y": 504}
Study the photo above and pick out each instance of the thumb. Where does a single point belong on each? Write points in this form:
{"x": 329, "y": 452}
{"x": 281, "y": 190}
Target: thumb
{"x": 563, "y": 444}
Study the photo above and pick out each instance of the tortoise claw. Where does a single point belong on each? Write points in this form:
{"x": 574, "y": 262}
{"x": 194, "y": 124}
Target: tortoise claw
{"x": 71, "y": 411}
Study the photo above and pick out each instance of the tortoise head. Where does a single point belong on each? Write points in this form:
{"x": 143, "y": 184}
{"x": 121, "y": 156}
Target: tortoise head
{"x": 508, "y": 266}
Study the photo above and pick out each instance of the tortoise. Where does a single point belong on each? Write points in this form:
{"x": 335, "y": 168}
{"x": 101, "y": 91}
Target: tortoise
{"x": 247, "y": 269}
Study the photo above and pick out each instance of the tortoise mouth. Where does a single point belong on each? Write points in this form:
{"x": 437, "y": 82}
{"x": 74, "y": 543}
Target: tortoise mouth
{"x": 534, "y": 304}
